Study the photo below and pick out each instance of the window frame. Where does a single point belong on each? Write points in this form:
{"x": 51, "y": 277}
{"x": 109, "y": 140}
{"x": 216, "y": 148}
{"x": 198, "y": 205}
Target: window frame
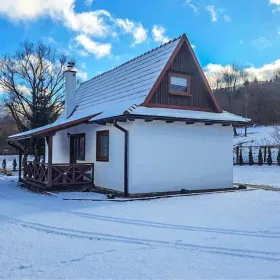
{"x": 76, "y": 138}
{"x": 99, "y": 157}
{"x": 179, "y": 75}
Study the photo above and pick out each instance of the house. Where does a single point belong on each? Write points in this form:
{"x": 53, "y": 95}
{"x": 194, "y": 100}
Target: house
{"x": 151, "y": 124}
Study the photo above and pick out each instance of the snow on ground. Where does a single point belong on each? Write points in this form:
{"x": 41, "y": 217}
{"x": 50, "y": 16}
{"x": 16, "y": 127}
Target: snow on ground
{"x": 225, "y": 235}
{"x": 256, "y": 136}
{"x": 258, "y": 175}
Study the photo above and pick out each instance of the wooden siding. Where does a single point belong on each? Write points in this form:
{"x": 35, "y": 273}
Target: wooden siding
{"x": 199, "y": 95}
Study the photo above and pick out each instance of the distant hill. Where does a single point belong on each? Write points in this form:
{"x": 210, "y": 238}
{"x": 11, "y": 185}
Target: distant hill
{"x": 263, "y": 101}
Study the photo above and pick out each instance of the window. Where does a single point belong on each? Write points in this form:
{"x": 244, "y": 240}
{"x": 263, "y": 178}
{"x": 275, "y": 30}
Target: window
{"x": 102, "y": 145}
{"x": 179, "y": 84}
{"x": 77, "y": 147}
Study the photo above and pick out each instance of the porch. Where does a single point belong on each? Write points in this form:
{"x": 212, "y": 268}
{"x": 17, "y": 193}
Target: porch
{"x": 58, "y": 175}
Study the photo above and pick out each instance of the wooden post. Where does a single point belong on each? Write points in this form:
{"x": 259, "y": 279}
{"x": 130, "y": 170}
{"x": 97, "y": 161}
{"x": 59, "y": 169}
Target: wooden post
{"x": 19, "y": 165}
{"x": 50, "y": 153}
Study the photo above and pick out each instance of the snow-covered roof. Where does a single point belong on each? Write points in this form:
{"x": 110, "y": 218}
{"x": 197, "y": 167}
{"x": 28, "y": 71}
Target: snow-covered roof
{"x": 123, "y": 89}
{"x": 187, "y": 114}
{"x": 129, "y": 81}
{"x": 170, "y": 113}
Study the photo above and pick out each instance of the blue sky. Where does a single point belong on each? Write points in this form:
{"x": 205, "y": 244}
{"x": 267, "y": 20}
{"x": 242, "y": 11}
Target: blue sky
{"x": 102, "y": 34}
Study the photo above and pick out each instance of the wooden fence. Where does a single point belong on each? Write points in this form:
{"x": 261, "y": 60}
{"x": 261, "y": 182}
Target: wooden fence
{"x": 237, "y": 150}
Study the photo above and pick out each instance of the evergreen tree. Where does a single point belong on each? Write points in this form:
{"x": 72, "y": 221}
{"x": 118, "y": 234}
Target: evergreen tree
{"x": 260, "y": 157}
{"x": 240, "y": 158}
{"x": 4, "y": 164}
{"x": 278, "y": 157}
{"x": 251, "y": 159}
{"x": 14, "y": 164}
{"x": 269, "y": 157}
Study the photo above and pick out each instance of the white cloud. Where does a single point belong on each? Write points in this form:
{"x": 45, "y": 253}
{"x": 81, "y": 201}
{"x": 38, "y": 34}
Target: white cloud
{"x": 97, "y": 23}
{"x": 83, "y": 65}
{"x": 212, "y": 11}
{"x": 137, "y": 30}
{"x": 49, "y": 40}
{"x": 192, "y": 6}
{"x": 88, "y": 2}
{"x": 83, "y": 76}
{"x": 32, "y": 9}
{"x": 277, "y": 3}
{"x": 262, "y": 73}
{"x": 193, "y": 46}
{"x": 158, "y": 34}
{"x": 98, "y": 49}
{"x": 261, "y": 43}
{"x": 227, "y": 18}
{"x": 91, "y": 23}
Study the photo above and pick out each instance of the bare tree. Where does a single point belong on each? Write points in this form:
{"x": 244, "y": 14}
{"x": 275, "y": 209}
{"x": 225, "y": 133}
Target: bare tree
{"x": 232, "y": 77}
{"x": 33, "y": 82}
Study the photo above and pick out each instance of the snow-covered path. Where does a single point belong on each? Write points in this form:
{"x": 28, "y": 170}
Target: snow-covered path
{"x": 257, "y": 175}
{"x": 229, "y": 235}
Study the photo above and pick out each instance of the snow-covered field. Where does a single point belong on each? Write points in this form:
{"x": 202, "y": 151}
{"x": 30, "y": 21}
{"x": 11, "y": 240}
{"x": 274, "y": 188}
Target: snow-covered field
{"x": 257, "y": 175}
{"x": 226, "y": 235}
{"x": 256, "y": 136}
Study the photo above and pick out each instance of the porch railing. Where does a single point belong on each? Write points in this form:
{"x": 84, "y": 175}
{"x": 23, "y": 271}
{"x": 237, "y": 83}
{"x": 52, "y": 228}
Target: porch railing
{"x": 61, "y": 173}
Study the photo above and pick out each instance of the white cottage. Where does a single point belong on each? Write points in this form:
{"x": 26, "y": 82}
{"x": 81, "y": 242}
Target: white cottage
{"x": 151, "y": 124}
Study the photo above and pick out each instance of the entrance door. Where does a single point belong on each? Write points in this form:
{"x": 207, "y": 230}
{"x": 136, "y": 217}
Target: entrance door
{"x": 77, "y": 147}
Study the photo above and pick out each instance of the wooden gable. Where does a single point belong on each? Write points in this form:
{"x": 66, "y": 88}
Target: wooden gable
{"x": 200, "y": 96}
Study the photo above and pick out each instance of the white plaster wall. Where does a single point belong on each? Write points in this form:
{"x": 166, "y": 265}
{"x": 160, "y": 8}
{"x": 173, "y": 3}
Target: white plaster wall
{"x": 162, "y": 157}
{"x": 170, "y": 157}
{"x": 107, "y": 174}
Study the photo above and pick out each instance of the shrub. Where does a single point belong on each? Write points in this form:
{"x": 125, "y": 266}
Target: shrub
{"x": 251, "y": 159}
{"x": 269, "y": 157}
{"x": 240, "y": 158}
{"x": 278, "y": 157}
{"x": 260, "y": 157}
{"x": 14, "y": 165}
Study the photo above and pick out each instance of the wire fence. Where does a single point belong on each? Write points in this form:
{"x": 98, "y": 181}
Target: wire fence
{"x": 238, "y": 150}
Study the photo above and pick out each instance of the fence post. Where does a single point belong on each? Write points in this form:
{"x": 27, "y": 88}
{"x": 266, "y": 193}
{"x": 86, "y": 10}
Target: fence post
{"x": 264, "y": 160}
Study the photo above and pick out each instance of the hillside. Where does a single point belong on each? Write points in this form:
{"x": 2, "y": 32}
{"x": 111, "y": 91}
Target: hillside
{"x": 256, "y": 136}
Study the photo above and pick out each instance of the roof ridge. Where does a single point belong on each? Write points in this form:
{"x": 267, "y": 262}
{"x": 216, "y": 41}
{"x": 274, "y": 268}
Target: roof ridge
{"x": 152, "y": 50}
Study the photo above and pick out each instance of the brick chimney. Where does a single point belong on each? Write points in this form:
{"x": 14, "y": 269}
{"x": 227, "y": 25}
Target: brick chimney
{"x": 70, "y": 89}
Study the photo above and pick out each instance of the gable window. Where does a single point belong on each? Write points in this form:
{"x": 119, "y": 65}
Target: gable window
{"x": 179, "y": 84}
{"x": 102, "y": 145}
{"x": 77, "y": 147}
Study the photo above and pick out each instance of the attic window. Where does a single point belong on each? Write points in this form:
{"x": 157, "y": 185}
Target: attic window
{"x": 179, "y": 84}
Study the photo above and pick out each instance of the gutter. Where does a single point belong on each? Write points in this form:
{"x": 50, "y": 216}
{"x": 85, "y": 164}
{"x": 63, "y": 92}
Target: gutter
{"x": 125, "y": 156}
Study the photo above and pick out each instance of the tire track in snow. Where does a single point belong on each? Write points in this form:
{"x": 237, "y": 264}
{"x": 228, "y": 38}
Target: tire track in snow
{"x": 243, "y": 253}
{"x": 259, "y": 234}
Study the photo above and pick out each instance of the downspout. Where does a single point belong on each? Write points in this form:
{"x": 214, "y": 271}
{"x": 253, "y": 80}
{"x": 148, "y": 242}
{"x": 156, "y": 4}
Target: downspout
{"x": 20, "y": 150}
{"x": 125, "y": 157}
